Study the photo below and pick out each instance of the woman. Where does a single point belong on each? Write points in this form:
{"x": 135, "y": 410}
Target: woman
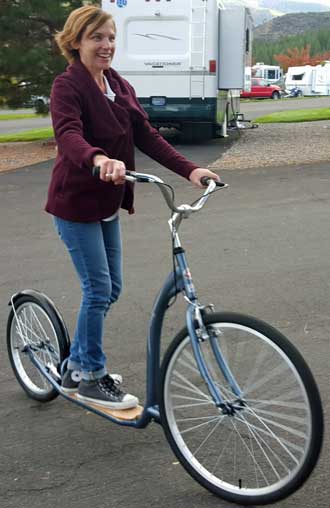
{"x": 97, "y": 121}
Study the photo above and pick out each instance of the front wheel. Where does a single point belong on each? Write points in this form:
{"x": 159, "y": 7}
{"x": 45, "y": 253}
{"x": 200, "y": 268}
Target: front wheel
{"x": 35, "y": 327}
{"x": 268, "y": 445}
{"x": 276, "y": 96}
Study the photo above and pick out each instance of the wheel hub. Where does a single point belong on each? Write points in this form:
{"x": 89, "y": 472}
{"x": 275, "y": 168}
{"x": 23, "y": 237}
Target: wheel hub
{"x": 231, "y": 408}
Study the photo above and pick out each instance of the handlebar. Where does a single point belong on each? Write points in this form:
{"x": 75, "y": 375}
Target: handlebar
{"x": 183, "y": 210}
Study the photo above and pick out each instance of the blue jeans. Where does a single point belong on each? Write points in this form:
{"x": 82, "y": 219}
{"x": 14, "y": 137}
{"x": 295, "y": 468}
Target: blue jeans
{"x": 95, "y": 249}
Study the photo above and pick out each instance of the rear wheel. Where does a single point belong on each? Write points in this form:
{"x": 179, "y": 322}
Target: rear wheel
{"x": 35, "y": 327}
{"x": 269, "y": 445}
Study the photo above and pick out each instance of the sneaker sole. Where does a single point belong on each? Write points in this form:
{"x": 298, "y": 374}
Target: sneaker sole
{"x": 109, "y": 405}
{"x": 69, "y": 390}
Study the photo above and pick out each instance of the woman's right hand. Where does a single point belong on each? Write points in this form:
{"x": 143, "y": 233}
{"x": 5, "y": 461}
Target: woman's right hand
{"x": 111, "y": 170}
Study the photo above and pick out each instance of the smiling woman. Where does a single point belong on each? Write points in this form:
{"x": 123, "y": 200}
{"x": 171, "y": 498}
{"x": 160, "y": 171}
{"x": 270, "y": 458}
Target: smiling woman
{"x": 97, "y": 121}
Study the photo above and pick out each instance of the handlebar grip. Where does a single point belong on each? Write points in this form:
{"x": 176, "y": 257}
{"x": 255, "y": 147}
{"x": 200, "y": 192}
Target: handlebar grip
{"x": 96, "y": 171}
{"x": 205, "y": 180}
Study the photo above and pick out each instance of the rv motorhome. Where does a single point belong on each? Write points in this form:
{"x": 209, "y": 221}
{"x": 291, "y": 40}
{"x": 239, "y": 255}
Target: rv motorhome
{"x": 186, "y": 59}
{"x": 270, "y": 73}
{"x": 311, "y": 80}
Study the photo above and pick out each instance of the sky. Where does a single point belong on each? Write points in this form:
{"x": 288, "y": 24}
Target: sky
{"x": 256, "y": 3}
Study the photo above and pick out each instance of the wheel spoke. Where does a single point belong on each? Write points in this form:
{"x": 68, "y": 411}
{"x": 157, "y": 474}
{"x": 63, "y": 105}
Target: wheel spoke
{"x": 253, "y": 434}
{"x": 32, "y": 326}
{"x": 258, "y": 364}
{"x": 186, "y": 397}
{"x": 281, "y": 416}
{"x": 277, "y": 371}
{"x": 190, "y": 386}
{"x": 195, "y": 427}
{"x": 279, "y": 440}
{"x": 249, "y": 451}
{"x": 258, "y": 403}
{"x": 208, "y": 436}
{"x": 223, "y": 450}
{"x": 208, "y": 403}
{"x": 271, "y": 435}
{"x": 253, "y": 430}
{"x": 28, "y": 329}
{"x": 209, "y": 417}
{"x": 289, "y": 430}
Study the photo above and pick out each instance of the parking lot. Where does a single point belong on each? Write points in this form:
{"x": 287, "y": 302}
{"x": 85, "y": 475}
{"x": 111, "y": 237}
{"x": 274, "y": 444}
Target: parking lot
{"x": 260, "y": 247}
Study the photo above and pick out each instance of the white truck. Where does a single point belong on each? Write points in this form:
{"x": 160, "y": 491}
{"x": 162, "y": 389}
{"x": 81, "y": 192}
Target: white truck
{"x": 187, "y": 60}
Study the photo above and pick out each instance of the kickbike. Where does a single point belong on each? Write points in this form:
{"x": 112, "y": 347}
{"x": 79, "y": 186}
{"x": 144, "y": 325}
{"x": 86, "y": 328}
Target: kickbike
{"x": 237, "y": 402}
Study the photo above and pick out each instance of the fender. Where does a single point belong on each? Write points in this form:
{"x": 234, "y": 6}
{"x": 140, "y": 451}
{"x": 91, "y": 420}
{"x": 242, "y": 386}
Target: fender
{"x": 49, "y": 305}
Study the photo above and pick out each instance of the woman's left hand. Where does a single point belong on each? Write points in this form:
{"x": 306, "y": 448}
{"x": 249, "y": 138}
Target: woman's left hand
{"x": 198, "y": 173}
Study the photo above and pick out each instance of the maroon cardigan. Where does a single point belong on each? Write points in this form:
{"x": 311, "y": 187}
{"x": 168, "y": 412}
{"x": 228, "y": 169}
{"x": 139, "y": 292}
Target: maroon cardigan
{"x": 87, "y": 123}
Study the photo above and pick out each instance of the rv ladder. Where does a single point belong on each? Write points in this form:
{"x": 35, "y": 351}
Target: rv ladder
{"x": 197, "y": 48}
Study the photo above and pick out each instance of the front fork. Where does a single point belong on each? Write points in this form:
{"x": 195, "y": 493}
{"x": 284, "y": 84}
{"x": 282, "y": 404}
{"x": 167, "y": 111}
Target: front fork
{"x": 198, "y": 334}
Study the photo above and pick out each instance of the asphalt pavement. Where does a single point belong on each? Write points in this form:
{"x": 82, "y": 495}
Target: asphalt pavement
{"x": 14, "y": 126}
{"x": 251, "y": 109}
{"x": 261, "y": 247}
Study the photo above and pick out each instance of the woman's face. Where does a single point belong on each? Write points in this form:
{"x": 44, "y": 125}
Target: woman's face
{"x": 96, "y": 49}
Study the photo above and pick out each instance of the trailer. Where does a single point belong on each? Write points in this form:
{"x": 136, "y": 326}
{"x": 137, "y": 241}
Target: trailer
{"x": 311, "y": 80}
{"x": 186, "y": 59}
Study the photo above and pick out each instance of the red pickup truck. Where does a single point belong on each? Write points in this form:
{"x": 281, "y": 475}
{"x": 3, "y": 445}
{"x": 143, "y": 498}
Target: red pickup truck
{"x": 261, "y": 90}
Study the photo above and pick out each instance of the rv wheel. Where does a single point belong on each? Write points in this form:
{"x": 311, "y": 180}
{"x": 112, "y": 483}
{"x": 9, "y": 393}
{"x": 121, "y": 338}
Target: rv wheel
{"x": 196, "y": 132}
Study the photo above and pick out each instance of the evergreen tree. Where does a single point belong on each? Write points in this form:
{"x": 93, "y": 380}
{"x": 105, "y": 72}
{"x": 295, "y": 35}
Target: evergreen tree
{"x": 29, "y": 58}
{"x": 318, "y": 41}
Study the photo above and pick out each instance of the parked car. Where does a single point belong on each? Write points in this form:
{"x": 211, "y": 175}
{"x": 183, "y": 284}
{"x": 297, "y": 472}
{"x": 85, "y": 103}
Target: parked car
{"x": 260, "y": 89}
{"x": 39, "y": 100}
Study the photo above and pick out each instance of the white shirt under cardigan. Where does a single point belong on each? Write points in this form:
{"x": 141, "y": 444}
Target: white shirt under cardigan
{"x": 111, "y": 96}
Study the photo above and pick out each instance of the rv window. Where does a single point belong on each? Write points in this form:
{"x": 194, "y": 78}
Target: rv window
{"x": 271, "y": 74}
{"x": 298, "y": 77}
{"x": 147, "y": 38}
{"x": 247, "y": 40}
{"x": 258, "y": 82}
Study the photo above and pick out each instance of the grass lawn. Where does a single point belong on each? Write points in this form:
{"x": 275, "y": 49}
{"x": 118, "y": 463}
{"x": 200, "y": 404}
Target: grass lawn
{"x": 299, "y": 115}
{"x": 19, "y": 116}
{"x": 285, "y": 99}
{"x": 31, "y": 135}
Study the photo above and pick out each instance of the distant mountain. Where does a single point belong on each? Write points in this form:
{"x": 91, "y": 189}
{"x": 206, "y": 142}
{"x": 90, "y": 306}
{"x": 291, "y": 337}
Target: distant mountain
{"x": 265, "y": 10}
{"x": 261, "y": 16}
{"x": 287, "y": 6}
{"x": 291, "y": 24}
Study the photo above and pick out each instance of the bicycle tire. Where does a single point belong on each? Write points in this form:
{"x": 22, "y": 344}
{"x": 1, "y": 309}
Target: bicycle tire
{"x": 277, "y": 358}
{"x": 40, "y": 327}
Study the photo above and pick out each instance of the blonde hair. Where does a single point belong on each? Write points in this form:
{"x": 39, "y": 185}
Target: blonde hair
{"x": 79, "y": 20}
